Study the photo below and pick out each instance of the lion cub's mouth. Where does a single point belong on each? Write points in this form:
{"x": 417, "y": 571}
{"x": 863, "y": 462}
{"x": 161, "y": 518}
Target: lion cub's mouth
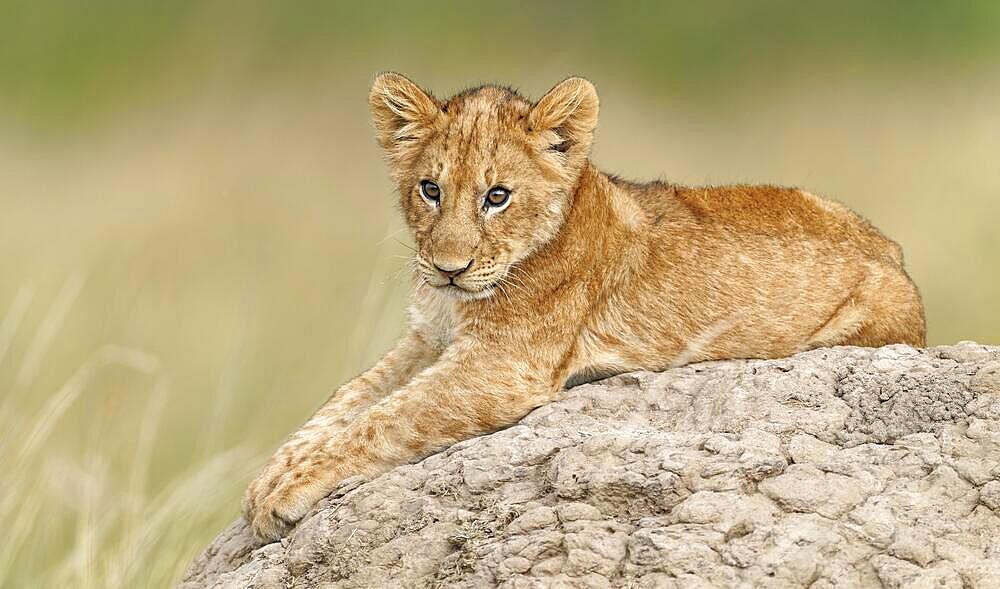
{"x": 462, "y": 288}
{"x": 467, "y": 294}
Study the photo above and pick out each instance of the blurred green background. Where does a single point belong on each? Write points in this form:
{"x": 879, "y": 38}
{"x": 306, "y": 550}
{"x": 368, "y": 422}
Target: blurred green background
{"x": 198, "y": 238}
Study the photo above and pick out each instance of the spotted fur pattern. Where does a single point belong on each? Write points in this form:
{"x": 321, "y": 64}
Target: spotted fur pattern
{"x": 581, "y": 275}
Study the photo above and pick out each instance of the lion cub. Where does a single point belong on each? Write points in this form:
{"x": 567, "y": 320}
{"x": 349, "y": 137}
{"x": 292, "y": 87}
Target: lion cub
{"x": 535, "y": 269}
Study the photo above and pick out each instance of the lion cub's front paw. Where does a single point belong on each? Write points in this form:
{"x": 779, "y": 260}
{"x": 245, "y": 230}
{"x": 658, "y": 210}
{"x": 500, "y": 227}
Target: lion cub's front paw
{"x": 284, "y": 493}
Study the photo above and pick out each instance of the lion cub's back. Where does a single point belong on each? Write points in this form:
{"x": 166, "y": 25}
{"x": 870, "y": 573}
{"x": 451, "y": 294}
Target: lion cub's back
{"x": 780, "y": 211}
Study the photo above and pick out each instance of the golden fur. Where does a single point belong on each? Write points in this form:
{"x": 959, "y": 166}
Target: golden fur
{"x": 581, "y": 275}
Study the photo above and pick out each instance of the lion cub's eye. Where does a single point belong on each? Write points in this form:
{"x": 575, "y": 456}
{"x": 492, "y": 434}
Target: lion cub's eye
{"x": 497, "y": 197}
{"x": 431, "y": 192}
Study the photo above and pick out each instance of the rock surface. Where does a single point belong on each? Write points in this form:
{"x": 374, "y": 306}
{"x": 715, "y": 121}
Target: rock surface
{"x": 841, "y": 467}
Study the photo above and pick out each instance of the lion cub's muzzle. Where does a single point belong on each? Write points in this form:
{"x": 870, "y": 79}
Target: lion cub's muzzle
{"x": 469, "y": 276}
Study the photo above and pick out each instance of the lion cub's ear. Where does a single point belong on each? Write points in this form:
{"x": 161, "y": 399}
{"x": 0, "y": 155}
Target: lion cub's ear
{"x": 564, "y": 119}
{"x": 402, "y": 113}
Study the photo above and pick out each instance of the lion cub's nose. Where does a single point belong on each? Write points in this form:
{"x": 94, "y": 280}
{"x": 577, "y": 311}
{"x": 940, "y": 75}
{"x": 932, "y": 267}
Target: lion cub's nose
{"x": 450, "y": 268}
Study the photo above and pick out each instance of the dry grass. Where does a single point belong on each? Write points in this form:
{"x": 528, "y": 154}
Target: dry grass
{"x": 181, "y": 290}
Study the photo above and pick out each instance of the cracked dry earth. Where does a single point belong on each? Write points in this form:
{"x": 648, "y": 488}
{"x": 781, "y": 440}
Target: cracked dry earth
{"x": 841, "y": 467}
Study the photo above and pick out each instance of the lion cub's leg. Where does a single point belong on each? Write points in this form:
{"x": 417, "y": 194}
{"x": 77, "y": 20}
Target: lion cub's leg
{"x": 467, "y": 392}
{"x": 883, "y": 309}
{"x": 894, "y": 313}
{"x": 410, "y": 355}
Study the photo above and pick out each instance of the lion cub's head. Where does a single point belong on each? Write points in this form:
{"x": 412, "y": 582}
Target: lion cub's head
{"x": 484, "y": 176}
